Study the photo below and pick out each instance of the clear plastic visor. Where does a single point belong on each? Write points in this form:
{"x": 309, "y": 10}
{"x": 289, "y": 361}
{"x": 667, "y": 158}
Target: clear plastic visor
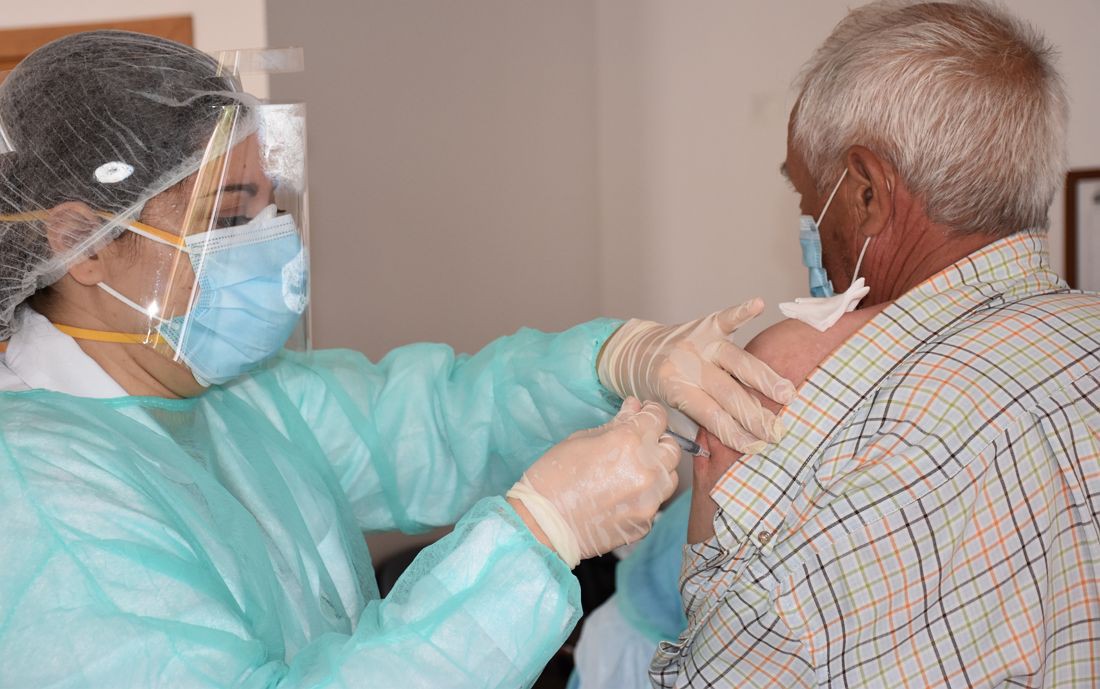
{"x": 223, "y": 254}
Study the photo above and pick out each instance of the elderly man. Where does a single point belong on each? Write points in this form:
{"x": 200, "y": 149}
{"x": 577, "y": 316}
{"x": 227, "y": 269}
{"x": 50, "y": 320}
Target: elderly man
{"x": 932, "y": 517}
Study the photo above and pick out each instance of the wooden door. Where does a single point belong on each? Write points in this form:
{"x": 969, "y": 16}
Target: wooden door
{"x": 16, "y": 44}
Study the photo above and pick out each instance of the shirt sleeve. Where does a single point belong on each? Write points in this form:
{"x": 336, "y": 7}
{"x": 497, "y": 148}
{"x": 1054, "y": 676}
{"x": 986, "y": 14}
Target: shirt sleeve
{"x": 417, "y": 438}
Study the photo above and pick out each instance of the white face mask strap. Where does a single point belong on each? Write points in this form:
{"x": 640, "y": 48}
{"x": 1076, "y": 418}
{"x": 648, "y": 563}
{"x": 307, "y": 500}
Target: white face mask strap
{"x": 152, "y": 311}
{"x": 859, "y": 262}
{"x": 5, "y": 142}
{"x": 830, "y": 201}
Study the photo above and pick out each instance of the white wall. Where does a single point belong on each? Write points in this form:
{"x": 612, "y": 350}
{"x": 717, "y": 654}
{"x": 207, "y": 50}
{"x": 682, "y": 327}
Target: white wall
{"x": 452, "y": 158}
{"x": 1071, "y": 25}
{"x": 453, "y": 192}
{"x": 693, "y": 110}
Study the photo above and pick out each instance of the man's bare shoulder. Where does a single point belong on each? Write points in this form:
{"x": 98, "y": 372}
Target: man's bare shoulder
{"x": 794, "y": 349}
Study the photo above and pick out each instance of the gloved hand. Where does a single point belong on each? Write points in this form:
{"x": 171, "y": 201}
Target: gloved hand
{"x": 599, "y": 489}
{"x": 695, "y": 369}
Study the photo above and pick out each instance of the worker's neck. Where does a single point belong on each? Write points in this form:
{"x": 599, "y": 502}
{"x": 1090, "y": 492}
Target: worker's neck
{"x": 138, "y": 368}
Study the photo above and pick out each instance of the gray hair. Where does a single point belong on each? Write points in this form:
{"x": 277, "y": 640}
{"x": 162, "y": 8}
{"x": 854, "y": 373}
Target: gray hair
{"x": 962, "y": 98}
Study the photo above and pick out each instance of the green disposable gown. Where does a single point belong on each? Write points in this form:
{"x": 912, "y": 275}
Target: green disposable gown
{"x": 217, "y": 541}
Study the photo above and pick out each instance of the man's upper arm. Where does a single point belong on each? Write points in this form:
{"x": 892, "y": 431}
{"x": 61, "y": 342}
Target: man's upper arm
{"x": 793, "y": 349}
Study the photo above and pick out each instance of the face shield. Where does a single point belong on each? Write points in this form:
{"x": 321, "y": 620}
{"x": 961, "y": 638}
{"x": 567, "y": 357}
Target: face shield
{"x": 226, "y": 261}
{"x": 181, "y": 195}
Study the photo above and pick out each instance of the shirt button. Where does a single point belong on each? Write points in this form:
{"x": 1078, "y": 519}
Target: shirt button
{"x": 762, "y": 537}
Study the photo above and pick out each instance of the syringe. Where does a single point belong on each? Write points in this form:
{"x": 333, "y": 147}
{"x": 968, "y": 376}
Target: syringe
{"x": 689, "y": 446}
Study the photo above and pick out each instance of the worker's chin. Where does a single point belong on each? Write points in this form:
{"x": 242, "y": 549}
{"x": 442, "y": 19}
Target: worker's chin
{"x": 180, "y": 379}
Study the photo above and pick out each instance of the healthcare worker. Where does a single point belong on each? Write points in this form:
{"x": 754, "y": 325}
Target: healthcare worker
{"x": 183, "y": 498}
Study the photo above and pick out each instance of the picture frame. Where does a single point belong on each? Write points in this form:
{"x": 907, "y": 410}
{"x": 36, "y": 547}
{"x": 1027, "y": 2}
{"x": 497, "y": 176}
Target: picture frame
{"x": 1082, "y": 223}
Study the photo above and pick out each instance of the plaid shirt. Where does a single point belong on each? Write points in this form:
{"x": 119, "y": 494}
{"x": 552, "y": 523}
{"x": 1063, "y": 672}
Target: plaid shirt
{"x": 932, "y": 517}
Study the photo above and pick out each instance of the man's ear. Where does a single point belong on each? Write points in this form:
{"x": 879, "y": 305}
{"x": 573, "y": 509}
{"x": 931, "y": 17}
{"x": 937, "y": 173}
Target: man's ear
{"x": 67, "y": 225}
{"x": 873, "y": 183}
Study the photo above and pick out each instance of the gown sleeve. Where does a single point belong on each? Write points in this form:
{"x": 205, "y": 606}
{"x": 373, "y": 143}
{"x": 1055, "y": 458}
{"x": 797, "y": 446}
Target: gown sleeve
{"x": 487, "y": 606}
{"x": 109, "y": 582}
{"x": 417, "y": 438}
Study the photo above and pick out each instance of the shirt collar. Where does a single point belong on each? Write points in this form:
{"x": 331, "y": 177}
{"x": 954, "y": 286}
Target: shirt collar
{"x": 755, "y": 493}
{"x": 43, "y": 357}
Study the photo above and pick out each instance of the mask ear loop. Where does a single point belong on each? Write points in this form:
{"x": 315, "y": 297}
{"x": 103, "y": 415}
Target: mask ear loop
{"x": 152, "y": 310}
{"x": 859, "y": 262}
{"x": 830, "y": 201}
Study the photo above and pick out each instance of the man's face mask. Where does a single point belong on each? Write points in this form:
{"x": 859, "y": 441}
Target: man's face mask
{"x": 809, "y": 236}
{"x": 825, "y": 307}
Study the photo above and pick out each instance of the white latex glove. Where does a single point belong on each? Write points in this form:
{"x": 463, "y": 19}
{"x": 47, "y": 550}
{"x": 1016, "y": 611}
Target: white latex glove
{"x": 600, "y": 489}
{"x": 823, "y": 312}
{"x": 695, "y": 369}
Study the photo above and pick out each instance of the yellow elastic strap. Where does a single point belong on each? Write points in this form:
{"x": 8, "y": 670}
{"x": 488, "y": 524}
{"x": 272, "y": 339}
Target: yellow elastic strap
{"x": 103, "y": 336}
{"x": 110, "y": 336}
{"x": 157, "y": 234}
{"x": 24, "y": 217}
{"x": 154, "y": 233}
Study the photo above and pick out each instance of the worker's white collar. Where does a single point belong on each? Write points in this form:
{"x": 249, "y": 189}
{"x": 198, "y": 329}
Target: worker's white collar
{"x": 43, "y": 357}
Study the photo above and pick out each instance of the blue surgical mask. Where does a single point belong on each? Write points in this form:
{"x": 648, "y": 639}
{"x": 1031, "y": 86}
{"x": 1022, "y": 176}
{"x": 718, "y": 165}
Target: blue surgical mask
{"x": 810, "y": 239}
{"x": 824, "y": 308}
{"x": 252, "y": 287}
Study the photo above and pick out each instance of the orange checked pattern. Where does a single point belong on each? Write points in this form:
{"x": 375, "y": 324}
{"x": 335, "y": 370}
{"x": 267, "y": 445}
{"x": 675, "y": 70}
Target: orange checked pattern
{"x": 932, "y": 518}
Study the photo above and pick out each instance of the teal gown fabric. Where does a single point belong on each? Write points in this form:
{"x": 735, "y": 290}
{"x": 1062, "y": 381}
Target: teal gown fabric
{"x": 647, "y": 582}
{"x": 217, "y": 541}
{"x": 621, "y": 636}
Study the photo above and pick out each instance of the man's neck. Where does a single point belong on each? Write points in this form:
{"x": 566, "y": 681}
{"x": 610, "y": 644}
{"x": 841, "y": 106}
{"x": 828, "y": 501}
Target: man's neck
{"x": 910, "y": 253}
